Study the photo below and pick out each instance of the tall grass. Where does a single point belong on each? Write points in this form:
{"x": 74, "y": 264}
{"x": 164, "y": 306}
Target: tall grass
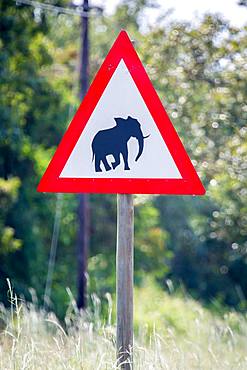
{"x": 170, "y": 333}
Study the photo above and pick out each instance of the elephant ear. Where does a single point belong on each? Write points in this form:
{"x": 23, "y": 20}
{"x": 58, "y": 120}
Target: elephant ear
{"x": 119, "y": 120}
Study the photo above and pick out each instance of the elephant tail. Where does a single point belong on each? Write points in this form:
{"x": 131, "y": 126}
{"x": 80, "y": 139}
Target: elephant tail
{"x": 93, "y": 156}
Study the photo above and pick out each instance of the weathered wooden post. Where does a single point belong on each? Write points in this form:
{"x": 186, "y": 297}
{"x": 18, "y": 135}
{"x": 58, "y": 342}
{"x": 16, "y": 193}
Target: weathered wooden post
{"x": 124, "y": 270}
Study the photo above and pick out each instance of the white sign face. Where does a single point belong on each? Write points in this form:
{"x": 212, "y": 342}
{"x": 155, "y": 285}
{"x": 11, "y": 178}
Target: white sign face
{"x": 113, "y": 138}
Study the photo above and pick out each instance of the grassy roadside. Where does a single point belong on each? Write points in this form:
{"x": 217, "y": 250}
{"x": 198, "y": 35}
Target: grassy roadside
{"x": 171, "y": 332}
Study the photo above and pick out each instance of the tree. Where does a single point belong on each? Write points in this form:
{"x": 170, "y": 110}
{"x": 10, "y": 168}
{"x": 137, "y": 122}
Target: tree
{"x": 30, "y": 106}
{"x": 202, "y": 85}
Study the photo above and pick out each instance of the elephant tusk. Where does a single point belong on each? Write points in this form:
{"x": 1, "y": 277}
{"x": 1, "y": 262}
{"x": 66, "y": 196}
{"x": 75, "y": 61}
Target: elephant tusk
{"x": 145, "y": 137}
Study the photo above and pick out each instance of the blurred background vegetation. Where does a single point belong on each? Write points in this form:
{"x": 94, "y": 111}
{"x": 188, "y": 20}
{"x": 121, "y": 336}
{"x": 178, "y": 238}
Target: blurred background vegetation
{"x": 197, "y": 244}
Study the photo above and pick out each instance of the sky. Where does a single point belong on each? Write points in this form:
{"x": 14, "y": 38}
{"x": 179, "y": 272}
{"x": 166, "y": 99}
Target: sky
{"x": 190, "y": 9}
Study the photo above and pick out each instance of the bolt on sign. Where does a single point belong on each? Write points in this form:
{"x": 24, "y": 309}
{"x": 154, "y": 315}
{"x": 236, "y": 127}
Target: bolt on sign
{"x": 121, "y": 139}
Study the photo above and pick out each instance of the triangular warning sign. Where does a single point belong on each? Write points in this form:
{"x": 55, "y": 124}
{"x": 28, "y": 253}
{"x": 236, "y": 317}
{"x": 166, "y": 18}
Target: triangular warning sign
{"x": 121, "y": 139}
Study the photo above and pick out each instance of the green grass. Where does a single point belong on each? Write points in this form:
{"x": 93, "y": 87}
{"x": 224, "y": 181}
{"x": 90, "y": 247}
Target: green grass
{"x": 171, "y": 332}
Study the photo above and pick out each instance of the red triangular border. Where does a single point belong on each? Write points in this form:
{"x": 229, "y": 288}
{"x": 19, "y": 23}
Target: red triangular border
{"x": 190, "y": 182}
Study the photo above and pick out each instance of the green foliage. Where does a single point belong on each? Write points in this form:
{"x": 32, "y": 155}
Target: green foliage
{"x": 151, "y": 255}
{"x": 202, "y": 85}
{"x": 8, "y": 195}
{"x": 30, "y": 104}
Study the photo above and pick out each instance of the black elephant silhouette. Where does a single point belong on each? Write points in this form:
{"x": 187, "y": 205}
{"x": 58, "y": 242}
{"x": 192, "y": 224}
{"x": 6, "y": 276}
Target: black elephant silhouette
{"x": 114, "y": 141}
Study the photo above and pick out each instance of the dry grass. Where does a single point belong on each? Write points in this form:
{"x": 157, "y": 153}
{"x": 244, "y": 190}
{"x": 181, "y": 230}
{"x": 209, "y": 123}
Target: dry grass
{"x": 195, "y": 339}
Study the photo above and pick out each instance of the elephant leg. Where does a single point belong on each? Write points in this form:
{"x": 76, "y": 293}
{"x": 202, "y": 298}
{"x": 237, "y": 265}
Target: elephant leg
{"x": 125, "y": 157}
{"x": 106, "y": 164}
{"x": 117, "y": 161}
{"x": 97, "y": 164}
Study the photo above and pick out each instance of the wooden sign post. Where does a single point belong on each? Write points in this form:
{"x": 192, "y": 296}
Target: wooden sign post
{"x": 124, "y": 271}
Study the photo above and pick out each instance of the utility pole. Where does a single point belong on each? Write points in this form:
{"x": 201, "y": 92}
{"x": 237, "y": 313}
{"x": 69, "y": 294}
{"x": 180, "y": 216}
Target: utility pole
{"x": 82, "y": 246}
{"x": 83, "y": 199}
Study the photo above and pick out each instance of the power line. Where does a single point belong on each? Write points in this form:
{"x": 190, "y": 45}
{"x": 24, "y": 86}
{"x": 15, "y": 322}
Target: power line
{"x": 56, "y": 230}
{"x": 77, "y": 11}
{"x": 53, "y": 250}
